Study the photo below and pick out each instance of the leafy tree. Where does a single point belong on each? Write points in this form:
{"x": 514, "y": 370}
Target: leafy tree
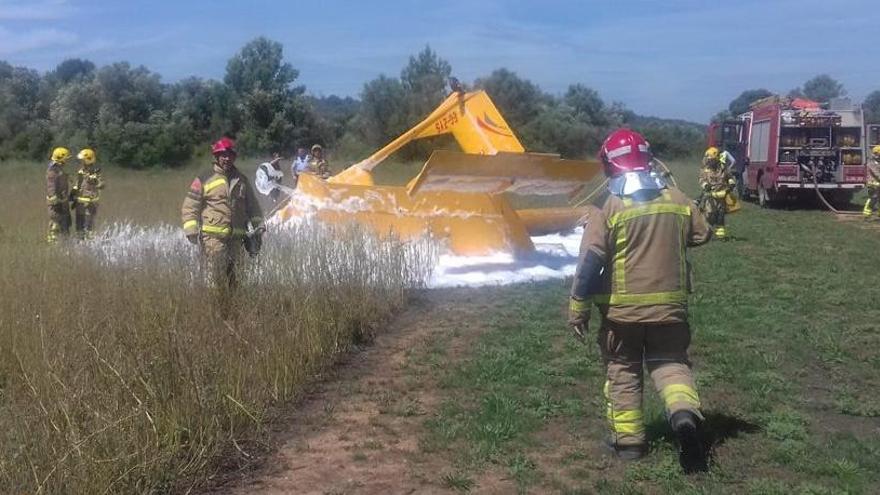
{"x": 133, "y": 93}
{"x": 587, "y": 105}
{"x": 5, "y": 70}
{"x": 71, "y": 69}
{"x": 556, "y": 128}
{"x": 822, "y": 88}
{"x": 722, "y": 116}
{"x": 74, "y": 113}
{"x": 19, "y": 107}
{"x": 383, "y": 112}
{"x": 519, "y": 100}
{"x": 424, "y": 79}
{"x": 871, "y": 105}
{"x": 271, "y": 112}
{"x": 333, "y": 116}
{"x": 260, "y": 65}
{"x": 741, "y": 103}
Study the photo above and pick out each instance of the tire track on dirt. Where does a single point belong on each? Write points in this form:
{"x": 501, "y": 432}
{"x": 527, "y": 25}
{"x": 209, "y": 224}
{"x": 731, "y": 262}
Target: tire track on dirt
{"x": 358, "y": 429}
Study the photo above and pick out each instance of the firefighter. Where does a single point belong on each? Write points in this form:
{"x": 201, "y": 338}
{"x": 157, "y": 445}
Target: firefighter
{"x": 58, "y": 195}
{"x": 716, "y": 182}
{"x": 221, "y": 214}
{"x": 872, "y": 205}
{"x": 86, "y": 193}
{"x": 633, "y": 266}
{"x": 317, "y": 164}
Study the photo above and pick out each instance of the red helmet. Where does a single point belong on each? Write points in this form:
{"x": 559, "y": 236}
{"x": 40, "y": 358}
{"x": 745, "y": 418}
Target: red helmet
{"x": 623, "y": 151}
{"x": 223, "y": 144}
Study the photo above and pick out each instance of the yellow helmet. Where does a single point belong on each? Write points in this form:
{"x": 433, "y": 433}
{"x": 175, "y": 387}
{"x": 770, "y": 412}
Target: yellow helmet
{"x": 712, "y": 153}
{"x": 876, "y": 150}
{"x": 87, "y": 155}
{"x": 60, "y": 155}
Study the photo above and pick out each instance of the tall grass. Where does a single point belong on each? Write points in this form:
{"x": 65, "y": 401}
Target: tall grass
{"x": 121, "y": 373}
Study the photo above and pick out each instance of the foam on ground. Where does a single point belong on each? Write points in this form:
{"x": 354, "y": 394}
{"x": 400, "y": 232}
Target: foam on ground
{"x": 555, "y": 256}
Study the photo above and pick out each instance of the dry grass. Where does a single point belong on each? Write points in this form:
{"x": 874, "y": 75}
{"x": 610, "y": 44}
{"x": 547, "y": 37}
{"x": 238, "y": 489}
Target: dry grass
{"x": 119, "y": 373}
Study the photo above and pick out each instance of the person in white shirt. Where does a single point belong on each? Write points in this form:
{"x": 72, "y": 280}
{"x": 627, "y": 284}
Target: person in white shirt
{"x": 730, "y": 163}
{"x": 300, "y": 163}
{"x": 268, "y": 180}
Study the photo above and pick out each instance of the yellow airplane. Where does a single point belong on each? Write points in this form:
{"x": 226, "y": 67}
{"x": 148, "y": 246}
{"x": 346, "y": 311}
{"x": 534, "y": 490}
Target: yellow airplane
{"x": 458, "y": 198}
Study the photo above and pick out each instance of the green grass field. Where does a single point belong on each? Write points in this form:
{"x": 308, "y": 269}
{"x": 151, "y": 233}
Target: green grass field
{"x": 785, "y": 321}
{"x": 121, "y": 381}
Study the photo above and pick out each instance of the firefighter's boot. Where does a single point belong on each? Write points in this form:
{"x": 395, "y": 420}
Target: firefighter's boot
{"x": 625, "y": 452}
{"x": 721, "y": 233}
{"x": 870, "y": 208}
{"x": 691, "y": 453}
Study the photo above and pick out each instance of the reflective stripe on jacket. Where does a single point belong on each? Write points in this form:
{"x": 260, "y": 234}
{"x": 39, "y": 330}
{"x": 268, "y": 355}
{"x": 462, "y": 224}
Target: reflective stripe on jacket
{"x": 641, "y": 248}
{"x": 89, "y": 182}
{"x": 715, "y": 179}
{"x": 219, "y": 205}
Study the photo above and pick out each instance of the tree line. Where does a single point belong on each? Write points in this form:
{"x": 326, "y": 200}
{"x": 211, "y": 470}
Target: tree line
{"x": 822, "y": 88}
{"x": 135, "y": 120}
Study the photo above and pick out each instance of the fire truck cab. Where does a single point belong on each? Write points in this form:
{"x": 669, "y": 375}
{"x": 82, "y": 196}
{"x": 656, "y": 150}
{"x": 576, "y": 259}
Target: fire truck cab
{"x": 791, "y": 146}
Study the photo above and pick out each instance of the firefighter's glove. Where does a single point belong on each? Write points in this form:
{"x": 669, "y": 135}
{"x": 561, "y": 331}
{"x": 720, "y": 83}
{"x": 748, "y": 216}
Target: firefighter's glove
{"x": 579, "y": 318}
{"x": 253, "y": 243}
{"x": 193, "y": 238}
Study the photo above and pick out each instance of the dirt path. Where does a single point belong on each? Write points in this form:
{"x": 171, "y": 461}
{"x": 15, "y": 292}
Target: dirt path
{"x": 358, "y": 430}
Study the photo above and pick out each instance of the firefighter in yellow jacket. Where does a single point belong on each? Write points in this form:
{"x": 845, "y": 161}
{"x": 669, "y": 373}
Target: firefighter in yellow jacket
{"x": 86, "y": 193}
{"x": 717, "y": 184}
{"x": 872, "y": 205}
{"x": 633, "y": 266}
{"x": 58, "y": 195}
{"x": 317, "y": 164}
{"x": 221, "y": 214}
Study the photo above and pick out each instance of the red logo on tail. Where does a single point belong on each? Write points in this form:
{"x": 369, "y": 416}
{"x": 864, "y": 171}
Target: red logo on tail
{"x": 487, "y": 123}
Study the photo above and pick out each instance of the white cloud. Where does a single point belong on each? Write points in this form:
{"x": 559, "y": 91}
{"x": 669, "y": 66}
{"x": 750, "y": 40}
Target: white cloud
{"x": 16, "y": 42}
{"x": 34, "y": 11}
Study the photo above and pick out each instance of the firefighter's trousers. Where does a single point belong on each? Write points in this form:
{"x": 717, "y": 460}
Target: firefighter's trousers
{"x": 872, "y": 205}
{"x": 715, "y": 210}
{"x": 626, "y": 349}
{"x": 221, "y": 257}
{"x": 59, "y": 222}
{"x": 85, "y": 219}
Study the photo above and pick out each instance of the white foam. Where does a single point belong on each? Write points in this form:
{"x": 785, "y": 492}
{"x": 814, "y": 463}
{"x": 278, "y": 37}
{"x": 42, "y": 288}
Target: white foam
{"x": 555, "y": 255}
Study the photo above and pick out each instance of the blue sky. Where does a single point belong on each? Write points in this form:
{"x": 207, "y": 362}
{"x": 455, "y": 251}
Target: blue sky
{"x": 674, "y": 58}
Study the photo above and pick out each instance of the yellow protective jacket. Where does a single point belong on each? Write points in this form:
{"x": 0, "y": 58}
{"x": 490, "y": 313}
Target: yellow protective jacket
{"x": 57, "y": 185}
{"x": 89, "y": 182}
{"x": 319, "y": 167}
{"x": 716, "y": 179}
{"x": 220, "y": 205}
{"x": 873, "y": 178}
{"x": 633, "y": 263}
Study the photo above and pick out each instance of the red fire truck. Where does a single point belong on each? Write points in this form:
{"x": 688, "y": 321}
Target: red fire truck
{"x": 791, "y": 146}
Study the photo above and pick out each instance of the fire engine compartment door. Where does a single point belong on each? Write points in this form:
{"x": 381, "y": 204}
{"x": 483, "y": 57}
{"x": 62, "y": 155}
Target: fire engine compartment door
{"x": 873, "y": 138}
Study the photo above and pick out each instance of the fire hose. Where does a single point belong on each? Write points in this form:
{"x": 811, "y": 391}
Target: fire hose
{"x": 826, "y": 202}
